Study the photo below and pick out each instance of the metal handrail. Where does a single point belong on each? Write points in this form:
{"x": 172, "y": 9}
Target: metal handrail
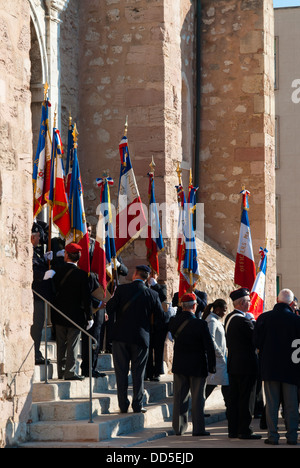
{"x": 90, "y": 337}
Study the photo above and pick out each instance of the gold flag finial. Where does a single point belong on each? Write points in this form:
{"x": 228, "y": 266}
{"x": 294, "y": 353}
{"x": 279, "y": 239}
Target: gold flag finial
{"x": 55, "y": 116}
{"x": 46, "y": 87}
{"x": 75, "y": 134}
{"x": 191, "y": 177}
{"x": 152, "y": 165}
{"x": 126, "y": 125}
{"x": 70, "y": 118}
{"x": 179, "y": 172}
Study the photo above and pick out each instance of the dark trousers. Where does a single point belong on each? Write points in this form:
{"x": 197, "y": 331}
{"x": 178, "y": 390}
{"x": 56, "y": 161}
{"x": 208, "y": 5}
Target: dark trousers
{"x": 275, "y": 393}
{"x": 123, "y": 355}
{"x": 184, "y": 386}
{"x": 67, "y": 340}
{"x": 155, "y": 362}
{"x": 240, "y": 404}
{"x": 37, "y": 326}
{"x": 95, "y": 331}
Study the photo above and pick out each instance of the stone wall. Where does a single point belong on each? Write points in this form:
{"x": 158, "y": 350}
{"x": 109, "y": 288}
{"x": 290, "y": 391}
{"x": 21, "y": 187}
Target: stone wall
{"x": 131, "y": 64}
{"x": 237, "y": 128}
{"x": 16, "y": 354}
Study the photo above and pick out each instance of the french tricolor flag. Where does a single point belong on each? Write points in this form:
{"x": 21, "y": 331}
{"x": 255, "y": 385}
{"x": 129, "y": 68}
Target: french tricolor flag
{"x": 130, "y": 218}
{"x": 245, "y": 273}
{"x": 258, "y": 291}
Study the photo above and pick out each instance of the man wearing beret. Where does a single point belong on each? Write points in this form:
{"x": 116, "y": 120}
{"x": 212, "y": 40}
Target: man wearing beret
{"x": 194, "y": 356}
{"x": 73, "y": 298}
{"x": 132, "y": 305}
{"x": 242, "y": 366}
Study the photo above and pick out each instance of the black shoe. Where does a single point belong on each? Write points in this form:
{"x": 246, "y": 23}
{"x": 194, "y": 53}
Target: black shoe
{"x": 291, "y": 442}
{"x": 232, "y": 436}
{"x": 141, "y": 410}
{"x": 271, "y": 442}
{"x": 75, "y": 377}
{"x": 199, "y": 434}
{"x": 250, "y": 436}
{"x": 41, "y": 362}
{"x": 95, "y": 374}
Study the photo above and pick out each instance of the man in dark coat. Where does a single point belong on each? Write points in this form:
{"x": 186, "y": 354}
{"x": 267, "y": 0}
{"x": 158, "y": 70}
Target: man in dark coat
{"x": 242, "y": 366}
{"x": 277, "y": 337}
{"x": 194, "y": 357}
{"x": 73, "y": 298}
{"x": 133, "y": 304}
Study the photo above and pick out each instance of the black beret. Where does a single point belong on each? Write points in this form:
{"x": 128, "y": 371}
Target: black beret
{"x": 37, "y": 228}
{"x": 143, "y": 268}
{"x": 242, "y": 292}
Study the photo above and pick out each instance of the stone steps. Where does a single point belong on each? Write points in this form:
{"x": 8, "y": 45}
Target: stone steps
{"x": 103, "y": 427}
{"x": 60, "y": 415}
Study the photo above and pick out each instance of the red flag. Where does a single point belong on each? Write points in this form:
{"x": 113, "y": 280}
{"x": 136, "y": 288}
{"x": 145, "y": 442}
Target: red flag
{"x": 57, "y": 197}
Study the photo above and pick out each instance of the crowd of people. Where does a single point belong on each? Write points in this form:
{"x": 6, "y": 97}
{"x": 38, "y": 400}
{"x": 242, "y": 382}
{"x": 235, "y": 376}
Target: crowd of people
{"x": 247, "y": 358}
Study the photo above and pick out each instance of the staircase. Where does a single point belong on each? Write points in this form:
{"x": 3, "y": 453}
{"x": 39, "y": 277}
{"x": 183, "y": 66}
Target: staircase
{"x": 60, "y": 410}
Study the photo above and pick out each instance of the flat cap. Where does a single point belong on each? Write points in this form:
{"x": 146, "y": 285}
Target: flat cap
{"x": 191, "y": 297}
{"x": 143, "y": 268}
{"x": 73, "y": 248}
{"x": 241, "y": 292}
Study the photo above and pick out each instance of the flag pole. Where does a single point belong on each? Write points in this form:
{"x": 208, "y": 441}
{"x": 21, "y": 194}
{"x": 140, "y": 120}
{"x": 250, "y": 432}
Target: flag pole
{"x": 190, "y": 227}
{"x": 75, "y": 139}
{"x": 49, "y": 207}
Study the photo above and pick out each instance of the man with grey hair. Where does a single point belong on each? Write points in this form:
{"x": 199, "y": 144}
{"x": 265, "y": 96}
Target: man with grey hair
{"x": 286, "y": 296}
{"x": 276, "y": 335}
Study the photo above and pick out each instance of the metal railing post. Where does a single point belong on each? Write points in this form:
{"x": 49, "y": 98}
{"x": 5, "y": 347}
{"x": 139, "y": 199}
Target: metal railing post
{"x": 46, "y": 343}
{"x": 90, "y": 379}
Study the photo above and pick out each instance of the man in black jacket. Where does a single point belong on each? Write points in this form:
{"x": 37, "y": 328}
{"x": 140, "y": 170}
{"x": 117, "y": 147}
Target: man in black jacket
{"x": 277, "y": 337}
{"x": 194, "y": 356}
{"x": 73, "y": 298}
{"x": 133, "y": 304}
{"x": 242, "y": 366}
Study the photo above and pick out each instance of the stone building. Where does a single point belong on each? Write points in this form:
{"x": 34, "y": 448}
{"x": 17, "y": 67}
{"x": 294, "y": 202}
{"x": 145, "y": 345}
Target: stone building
{"x": 287, "y": 99}
{"x": 196, "y": 81}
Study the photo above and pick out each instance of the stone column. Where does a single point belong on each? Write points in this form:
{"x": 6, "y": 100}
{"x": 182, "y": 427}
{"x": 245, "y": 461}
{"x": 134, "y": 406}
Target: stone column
{"x": 54, "y": 10}
{"x": 16, "y": 356}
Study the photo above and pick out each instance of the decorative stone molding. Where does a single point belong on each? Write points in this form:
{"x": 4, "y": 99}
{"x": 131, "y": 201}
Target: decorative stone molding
{"x": 56, "y": 7}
